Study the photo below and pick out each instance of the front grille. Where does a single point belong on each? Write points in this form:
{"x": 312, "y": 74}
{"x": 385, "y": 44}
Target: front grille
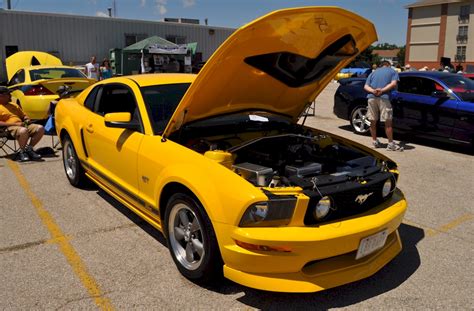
{"x": 350, "y": 198}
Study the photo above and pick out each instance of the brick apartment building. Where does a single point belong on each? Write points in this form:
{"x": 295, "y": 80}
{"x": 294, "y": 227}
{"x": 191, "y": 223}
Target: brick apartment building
{"x": 440, "y": 29}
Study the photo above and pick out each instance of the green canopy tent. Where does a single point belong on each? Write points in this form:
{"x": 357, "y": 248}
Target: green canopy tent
{"x": 133, "y": 55}
{"x": 145, "y": 44}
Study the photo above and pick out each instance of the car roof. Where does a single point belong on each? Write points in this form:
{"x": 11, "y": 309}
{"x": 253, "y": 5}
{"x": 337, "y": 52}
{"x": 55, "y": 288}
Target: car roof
{"x": 428, "y": 74}
{"x": 144, "y": 80}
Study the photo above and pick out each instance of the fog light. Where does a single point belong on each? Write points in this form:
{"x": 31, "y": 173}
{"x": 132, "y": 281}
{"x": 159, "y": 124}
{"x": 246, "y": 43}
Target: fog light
{"x": 322, "y": 209}
{"x": 263, "y": 248}
{"x": 387, "y": 188}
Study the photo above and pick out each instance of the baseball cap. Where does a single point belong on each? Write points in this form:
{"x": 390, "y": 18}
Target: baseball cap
{"x": 4, "y": 90}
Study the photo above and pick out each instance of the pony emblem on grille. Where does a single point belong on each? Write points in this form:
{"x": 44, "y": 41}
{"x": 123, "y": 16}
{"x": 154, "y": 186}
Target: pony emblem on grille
{"x": 361, "y": 198}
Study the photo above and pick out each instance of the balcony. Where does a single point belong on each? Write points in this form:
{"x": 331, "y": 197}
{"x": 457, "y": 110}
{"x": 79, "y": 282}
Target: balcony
{"x": 461, "y": 38}
{"x": 460, "y": 58}
{"x": 463, "y": 19}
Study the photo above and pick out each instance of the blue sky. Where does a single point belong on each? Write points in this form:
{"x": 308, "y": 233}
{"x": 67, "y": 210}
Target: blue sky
{"x": 389, "y": 16}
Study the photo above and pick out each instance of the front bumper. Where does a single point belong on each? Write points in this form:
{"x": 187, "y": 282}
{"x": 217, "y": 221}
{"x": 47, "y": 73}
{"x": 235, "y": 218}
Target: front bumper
{"x": 321, "y": 257}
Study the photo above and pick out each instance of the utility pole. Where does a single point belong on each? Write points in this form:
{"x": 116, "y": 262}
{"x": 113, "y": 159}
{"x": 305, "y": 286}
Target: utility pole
{"x": 9, "y": 4}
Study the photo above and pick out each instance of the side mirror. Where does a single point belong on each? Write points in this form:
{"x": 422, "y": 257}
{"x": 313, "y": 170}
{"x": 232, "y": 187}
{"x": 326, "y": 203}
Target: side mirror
{"x": 121, "y": 120}
{"x": 439, "y": 94}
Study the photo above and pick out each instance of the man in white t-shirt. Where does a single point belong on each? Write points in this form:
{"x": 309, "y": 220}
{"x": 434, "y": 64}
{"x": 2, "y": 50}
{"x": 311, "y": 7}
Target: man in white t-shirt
{"x": 92, "y": 69}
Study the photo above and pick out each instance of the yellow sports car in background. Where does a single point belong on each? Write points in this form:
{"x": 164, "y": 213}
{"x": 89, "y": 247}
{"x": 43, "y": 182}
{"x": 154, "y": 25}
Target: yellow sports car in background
{"x": 218, "y": 162}
{"x": 34, "y": 78}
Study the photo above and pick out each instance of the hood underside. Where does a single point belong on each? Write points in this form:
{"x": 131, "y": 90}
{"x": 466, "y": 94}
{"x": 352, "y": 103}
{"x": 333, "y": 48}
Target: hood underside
{"x": 278, "y": 63}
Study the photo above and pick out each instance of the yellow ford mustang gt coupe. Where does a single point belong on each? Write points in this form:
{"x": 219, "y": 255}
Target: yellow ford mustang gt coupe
{"x": 219, "y": 163}
{"x": 35, "y": 77}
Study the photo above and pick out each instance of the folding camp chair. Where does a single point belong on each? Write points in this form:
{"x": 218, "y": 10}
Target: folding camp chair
{"x": 50, "y": 127}
{"x": 5, "y": 139}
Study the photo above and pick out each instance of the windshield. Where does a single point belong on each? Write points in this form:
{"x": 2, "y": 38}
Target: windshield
{"x": 461, "y": 86}
{"x": 55, "y": 73}
{"x": 161, "y": 102}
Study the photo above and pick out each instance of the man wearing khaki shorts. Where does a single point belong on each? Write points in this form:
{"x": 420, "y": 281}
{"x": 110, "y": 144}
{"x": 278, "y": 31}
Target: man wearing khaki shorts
{"x": 18, "y": 125}
{"x": 379, "y": 84}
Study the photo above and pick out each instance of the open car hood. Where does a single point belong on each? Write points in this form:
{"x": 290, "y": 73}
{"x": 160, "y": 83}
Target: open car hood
{"x": 24, "y": 59}
{"x": 278, "y": 63}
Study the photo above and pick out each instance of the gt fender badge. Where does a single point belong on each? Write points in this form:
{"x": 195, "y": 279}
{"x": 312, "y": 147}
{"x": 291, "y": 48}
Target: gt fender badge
{"x": 361, "y": 198}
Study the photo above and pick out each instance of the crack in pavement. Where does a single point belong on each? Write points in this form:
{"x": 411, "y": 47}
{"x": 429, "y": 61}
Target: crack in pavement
{"x": 27, "y": 245}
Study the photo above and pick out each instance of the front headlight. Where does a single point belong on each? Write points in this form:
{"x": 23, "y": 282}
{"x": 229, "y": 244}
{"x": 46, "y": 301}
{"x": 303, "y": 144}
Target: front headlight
{"x": 388, "y": 187}
{"x": 273, "y": 213}
{"x": 322, "y": 208}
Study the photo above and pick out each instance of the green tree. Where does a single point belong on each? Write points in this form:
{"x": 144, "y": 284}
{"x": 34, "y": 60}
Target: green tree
{"x": 368, "y": 56}
{"x": 385, "y": 46}
{"x": 401, "y": 56}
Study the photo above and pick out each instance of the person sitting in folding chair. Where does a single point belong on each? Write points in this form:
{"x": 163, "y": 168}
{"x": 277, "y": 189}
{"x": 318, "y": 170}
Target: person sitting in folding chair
{"x": 19, "y": 126}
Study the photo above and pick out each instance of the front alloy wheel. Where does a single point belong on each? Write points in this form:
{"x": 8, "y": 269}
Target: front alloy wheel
{"x": 359, "y": 122}
{"x": 186, "y": 236}
{"x": 191, "y": 239}
{"x": 73, "y": 168}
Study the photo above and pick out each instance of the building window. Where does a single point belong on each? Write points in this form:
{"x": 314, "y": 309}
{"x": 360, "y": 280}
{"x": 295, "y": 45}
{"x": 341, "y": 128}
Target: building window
{"x": 460, "y": 54}
{"x": 131, "y": 38}
{"x": 176, "y": 39}
{"x": 464, "y": 13}
{"x": 462, "y": 34}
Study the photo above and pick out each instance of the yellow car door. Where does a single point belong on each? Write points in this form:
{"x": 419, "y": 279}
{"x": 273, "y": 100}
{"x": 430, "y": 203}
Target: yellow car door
{"x": 112, "y": 152}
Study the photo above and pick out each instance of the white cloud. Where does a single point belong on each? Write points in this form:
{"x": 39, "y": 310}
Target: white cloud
{"x": 160, "y": 6}
{"x": 142, "y": 3}
{"x": 101, "y": 14}
{"x": 188, "y": 3}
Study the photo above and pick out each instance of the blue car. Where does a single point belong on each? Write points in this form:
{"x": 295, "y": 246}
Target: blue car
{"x": 431, "y": 104}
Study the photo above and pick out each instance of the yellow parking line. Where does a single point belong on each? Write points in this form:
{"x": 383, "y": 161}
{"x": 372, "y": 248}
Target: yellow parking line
{"x": 66, "y": 248}
{"x": 430, "y": 232}
{"x": 456, "y": 222}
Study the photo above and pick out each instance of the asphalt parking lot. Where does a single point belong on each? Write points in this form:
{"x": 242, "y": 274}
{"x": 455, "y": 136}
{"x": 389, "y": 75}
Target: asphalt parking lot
{"x": 64, "y": 248}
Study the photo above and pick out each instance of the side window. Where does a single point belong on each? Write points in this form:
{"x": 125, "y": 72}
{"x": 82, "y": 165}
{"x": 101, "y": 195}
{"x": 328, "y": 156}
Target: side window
{"x": 409, "y": 85}
{"x": 419, "y": 86}
{"x": 90, "y": 100}
{"x": 429, "y": 86}
{"x": 116, "y": 98}
{"x": 19, "y": 77}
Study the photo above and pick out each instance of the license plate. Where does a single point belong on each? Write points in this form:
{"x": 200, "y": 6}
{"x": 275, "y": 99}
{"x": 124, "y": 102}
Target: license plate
{"x": 371, "y": 243}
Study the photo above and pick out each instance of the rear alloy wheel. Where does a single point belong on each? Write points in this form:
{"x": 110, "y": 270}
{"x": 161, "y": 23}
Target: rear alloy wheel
{"x": 359, "y": 122}
{"x": 72, "y": 166}
{"x": 191, "y": 239}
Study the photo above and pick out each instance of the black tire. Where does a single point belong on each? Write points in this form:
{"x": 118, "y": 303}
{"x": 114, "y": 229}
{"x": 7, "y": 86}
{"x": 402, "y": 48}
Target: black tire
{"x": 203, "y": 264}
{"x": 359, "y": 123}
{"x": 72, "y": 166}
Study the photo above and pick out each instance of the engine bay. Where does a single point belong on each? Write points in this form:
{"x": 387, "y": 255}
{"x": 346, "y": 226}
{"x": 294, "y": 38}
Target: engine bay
{"x": 339, "y": 178}
{"x": 298, "y": 158}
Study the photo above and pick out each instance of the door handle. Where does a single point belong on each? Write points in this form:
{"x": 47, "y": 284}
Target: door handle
{"x": 90, "y": 128}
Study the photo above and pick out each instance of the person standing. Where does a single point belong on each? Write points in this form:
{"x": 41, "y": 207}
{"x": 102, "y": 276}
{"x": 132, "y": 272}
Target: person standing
{"x": 105, "y": 69}
{"x": 92, "y": 69}
{"x": 378, "y": 85}
{"x": 19, "y": 125}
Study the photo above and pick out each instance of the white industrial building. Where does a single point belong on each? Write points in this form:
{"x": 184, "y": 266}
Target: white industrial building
{"x": 75, "y": 38}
